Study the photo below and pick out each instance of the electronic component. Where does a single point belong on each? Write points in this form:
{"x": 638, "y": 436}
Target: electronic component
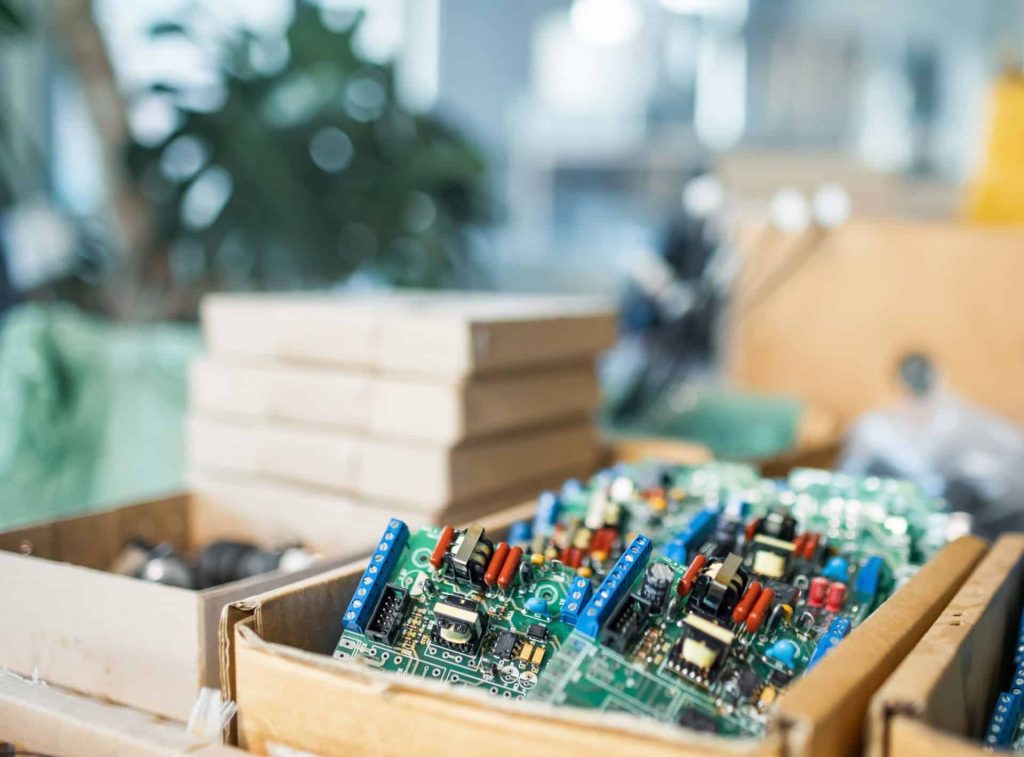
{"x": 459, "y": 624}
{"x": 690, "y": 717}
{"x": 771, "y": 556}
{"x": 386, "y": 622}
{"x": 836, "y": 597}
{"x": 719, "y": 587}
{"x": 537, "y": 605}
{"x": 657, "y": 581}
{"x": 869, "y": 577}
{"x": 470, "y": 554}
{"x": 701, "y": 648}
{"x": 625, "y": 624}
{"x": 505, "y": 644}
{"x": 837, "y": 569}
{"x": 697, "y": 531}
{"x": 837, "y": 631}
{"x": 575, "y": 599}
{"x": 614, "y": 586}
{"x": 376, "y": 575}
{"x": 537, "y": 632}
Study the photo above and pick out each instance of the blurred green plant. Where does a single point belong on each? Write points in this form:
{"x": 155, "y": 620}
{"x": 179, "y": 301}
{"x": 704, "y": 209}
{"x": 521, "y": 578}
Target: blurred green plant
{"x": 300, "y": 167}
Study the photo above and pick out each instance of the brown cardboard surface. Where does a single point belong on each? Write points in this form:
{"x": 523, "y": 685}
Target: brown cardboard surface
{"x": 142, "y": 644}
{"x": 432, "y": 478}
{"x": 869, "y": 293}
{"x": 333, "y": 706}
{"x": 432, "y": 411}
{"x": 50, "y": 720}
{"x": 451, "y": 334}
{"x": 947, "y": 685}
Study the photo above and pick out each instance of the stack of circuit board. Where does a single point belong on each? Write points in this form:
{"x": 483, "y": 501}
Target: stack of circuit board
{"x": 1006, "y": 725}
{"x": 688, "y": 595}
{"x": 433, "y": 406}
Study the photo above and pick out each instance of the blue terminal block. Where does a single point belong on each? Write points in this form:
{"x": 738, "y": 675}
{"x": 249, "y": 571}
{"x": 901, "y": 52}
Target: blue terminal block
{"x": 520, "y": 533}
{"x": 1001, "y": 726}
{"x": 836, "y": 632}
{"x": 575, "y": 600}
{"x": 376, "y": 575}
{"x": 614, "y": 587}
{"x": 697, "y": 531}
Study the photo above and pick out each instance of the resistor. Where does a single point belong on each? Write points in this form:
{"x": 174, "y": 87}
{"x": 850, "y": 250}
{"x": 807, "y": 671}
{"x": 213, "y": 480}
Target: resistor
{"x": 816, "y": 592}
{"x": 751, "y": 529}
{"x": 495, "y": 565}
{"x": 742, "y": 609}
{"x": 575, "y": 557}
{"x": 686, "y": 582}
{"x": 508, "y": 571}
{"x": 441, "y": 548}
{"x": 756, "y": 616}
{"x": 836, "y": 597}
{"x": 798, "y": 545}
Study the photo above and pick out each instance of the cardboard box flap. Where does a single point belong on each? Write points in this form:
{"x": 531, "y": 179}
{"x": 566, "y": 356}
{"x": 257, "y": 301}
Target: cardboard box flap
{"x": 947, "y": 680}
{"x": 50, "y": 720}
{"x": 823, "y": 713}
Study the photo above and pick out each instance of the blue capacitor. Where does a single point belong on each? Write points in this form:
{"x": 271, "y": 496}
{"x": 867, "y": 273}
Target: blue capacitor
{"x": 537, "y": 605}
{"x": 837, "y": 631}
{"x": 1001, "y": 726}
{"x": 868, "y": 577}
{"x": 614, "y": 587}
{"x": 785, "y": 651}
{"x": 571, "y": 488}
{"x": 548, "y": 506}
{"x": 837, "y": 569}
{"x": 575, "y": 599}
{"x": 520, "y": 532}
{"x": 376, "y": 576}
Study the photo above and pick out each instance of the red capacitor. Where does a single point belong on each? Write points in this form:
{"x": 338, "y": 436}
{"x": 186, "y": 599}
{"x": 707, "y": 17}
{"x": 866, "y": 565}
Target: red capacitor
{"x": 760, "y": 610}
{"x": 575, "y": 557}
{"x": 496, "y": 563}
{"x": 798, "y": 545}
{"x": 508, "y": 571}
{"x": 816, "y": 592}
{"x": 564, "y": 555}
{"x": 602, "y": 540}
{"x": 811, "y": 545}
{"x": 836, "y": 597}
{"x": 441, "y": 548}
{"x": 751, "y": 529}
{"x": 739, "y": 613}
{"x": 686, "y": 582}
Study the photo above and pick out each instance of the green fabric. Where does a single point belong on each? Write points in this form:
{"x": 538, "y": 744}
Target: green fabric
{"x": 733, "y": 425}
{"x": 91, "y": 413}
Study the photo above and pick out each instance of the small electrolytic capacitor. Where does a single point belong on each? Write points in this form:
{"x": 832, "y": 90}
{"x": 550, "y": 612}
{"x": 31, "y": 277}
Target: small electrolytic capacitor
{"x": 657, "y": 581}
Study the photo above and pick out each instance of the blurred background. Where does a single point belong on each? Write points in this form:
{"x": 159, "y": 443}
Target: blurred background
{"x": 806, "y": 212}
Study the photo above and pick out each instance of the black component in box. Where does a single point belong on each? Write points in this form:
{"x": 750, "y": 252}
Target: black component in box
{"x": 505, "y": 644}
{"x": 625, "y": 623}
{"x": 387, "y": 617}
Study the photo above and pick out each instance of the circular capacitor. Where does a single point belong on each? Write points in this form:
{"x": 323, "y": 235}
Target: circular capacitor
{"x": 657, "y": 582}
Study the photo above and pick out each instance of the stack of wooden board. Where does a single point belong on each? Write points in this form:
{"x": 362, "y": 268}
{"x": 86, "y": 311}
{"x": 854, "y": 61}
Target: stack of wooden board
{"x": 443, "y": 405}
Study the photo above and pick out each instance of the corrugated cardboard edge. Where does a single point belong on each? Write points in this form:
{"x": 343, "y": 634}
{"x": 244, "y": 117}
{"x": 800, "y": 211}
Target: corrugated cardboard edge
{"x": 897, "y": 720}
{"x": 50, "y": 720}
{"x": 824, "y": 712}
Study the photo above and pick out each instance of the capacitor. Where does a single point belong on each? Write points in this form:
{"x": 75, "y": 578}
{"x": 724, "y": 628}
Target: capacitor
{"x": 508, "y": 572}
{"x": 811, "y": 545}
{"x": 806, "y": 621}
{"x": 495, "y": 565}
{"x": 657, "y": 581}
{"x": 784, "y": 651}
{"x": 760, "y": 609}
{"x": 837, "y": 569}
{"x": 751, "y": 529}
{"x": 537, "y": 605}
{"x": 836, "y": 597}
{"x": 441, "y": 548}
{"x": 686, "y": 582}
{"x": 780, "y": 614}
{"x": 743, "y": 607}
{"x": 520, "y": 532}
{"x": 799, "y": 543}
{"x": 575, "y": 557}
{"x": 816, "y": 592}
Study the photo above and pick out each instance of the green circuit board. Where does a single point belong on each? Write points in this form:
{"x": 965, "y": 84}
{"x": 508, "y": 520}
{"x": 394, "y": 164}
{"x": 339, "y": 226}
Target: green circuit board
{"x": 689, "y": 595}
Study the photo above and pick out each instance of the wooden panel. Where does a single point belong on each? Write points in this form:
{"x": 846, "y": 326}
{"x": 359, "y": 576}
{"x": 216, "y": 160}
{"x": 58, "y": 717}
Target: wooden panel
{"x": 862, "y": 297}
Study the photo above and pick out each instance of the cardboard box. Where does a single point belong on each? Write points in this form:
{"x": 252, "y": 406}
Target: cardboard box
{"x": 410, "y": 475}
{"x": 44, "y": 719}
{"x": 436, "y": 412}
{"x": 277, "y": 666}
{"x": 143, "y": 644}
{"x": 940, "y": 699}
{"x": 829, "y": 315}
{"x": 444, "y": 334}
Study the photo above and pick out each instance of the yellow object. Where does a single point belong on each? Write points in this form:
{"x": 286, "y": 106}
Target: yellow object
{"x": 538, "y": 656}
{"x": 584, "y": 571}
{"x": 526, "y": 652}
{"x": 997, "y": 194}
{"x": 537, "y": 558}
{"x": 658, "y": 504}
